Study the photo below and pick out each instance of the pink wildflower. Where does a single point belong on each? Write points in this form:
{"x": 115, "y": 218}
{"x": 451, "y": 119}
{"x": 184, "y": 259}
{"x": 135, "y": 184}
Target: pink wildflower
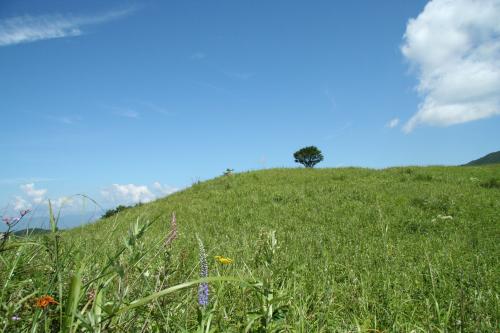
{"x": 24, "y": 212}
{"x": 172, "y": 235}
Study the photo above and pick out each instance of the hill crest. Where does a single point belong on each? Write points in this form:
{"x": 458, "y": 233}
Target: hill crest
{"x": 491, "y": 158}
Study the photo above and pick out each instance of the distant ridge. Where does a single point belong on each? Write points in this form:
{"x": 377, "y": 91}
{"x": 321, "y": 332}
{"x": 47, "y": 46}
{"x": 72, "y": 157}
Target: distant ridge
{"x": 491, "y": 158}
{"x": 30, "y": 231}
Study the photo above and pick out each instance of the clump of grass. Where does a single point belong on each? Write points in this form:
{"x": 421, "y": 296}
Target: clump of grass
{"x": 71, "y": 301}
{"x": 423, "y": 177}
{"x": 440, "y": 204}
{"x": 492, "y": 183}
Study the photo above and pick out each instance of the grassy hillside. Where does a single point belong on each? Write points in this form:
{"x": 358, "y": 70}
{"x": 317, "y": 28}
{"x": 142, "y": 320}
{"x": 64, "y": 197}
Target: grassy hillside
{"x": 492, "y": 158}
{"x": 321, "y": 250}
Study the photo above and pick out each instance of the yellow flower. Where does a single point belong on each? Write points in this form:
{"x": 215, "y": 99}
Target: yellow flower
{"x": 223, "y": 260}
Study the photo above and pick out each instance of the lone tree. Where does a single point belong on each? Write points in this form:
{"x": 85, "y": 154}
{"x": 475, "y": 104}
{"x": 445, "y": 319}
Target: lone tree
{"x": 308, "y": 156}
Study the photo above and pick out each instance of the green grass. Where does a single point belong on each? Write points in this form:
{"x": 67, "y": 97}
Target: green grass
{"x": 315, "y": 250}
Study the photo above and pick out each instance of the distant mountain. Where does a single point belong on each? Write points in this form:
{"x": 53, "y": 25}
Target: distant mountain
{"x": 491, "y": 158}
{"x": 66, "y": 221}
{"x": 30, "y": 231}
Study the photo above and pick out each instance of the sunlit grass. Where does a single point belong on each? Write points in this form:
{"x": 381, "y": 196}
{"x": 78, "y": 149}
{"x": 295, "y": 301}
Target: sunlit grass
{"x": 316, "y": 250}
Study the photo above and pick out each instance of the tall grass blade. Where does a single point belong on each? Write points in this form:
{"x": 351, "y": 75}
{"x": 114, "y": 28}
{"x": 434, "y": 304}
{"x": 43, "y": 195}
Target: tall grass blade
{"x": 53, "y": 221}
{"x": 72, "y": 304}
{"x": 147, "y": 299}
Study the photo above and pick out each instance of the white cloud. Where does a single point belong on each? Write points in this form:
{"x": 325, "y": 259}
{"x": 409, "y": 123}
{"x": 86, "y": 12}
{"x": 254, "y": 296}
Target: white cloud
{"x": 35, "y": 195}
{"x": 63, "y": 202}
{"x": 38, "y": 196}
{"x": 128, "y": 194}
{"x": 455, "y": 47}
{"x": 164, "y": 189}
{"x": 37, "y": 199}
{"x": 21, "y": 204}
{"x": 27, "y": 28}
{"x": 393, "y": 123}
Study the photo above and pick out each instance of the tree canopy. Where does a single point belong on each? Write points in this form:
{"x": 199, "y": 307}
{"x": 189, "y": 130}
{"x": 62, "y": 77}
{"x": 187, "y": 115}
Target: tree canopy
{"x": 308, "y": 156}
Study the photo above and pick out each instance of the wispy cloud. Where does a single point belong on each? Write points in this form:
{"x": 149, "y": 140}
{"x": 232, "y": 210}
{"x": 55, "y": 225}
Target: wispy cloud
{"x": 239, "y": 75}
{"x": 135, "y": 109}
{"x": 127, "y": 113}
{"x": 22, "y": 180}
{"x": 455, "y": 47}
{"x": 68, "y": 120}
{"x": 211, "y": 86}
{"x": 148, "y": 106}
{"x": 393, "y": 123}
{"x": 338, "y": 132}
{"x": 331, "y": 98}
{"x": 27, "y": 28}
{"x": 198, "y": 56}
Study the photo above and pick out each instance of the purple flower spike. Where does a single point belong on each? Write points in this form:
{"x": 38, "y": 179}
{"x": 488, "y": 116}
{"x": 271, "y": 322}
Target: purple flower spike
{"x": 203, "y": 294}
{"x": 7, "y": 220}
{"x": 203, "y": 287}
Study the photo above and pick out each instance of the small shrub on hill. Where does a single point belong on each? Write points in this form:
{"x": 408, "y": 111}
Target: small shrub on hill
{"x": 423, "y": 177}
{"x": 114, "y": 211}
{"x": 119, "y": 208}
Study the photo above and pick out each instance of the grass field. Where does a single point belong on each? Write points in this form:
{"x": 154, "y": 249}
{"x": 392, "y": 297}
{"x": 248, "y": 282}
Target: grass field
{"x": 314, "y": 250}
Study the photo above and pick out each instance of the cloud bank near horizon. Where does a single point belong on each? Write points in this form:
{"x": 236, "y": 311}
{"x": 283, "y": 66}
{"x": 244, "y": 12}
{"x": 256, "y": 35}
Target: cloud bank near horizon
{"x": 454, "y": 47}
{"x": 128, "y": 194}
{"x": 32, "y": 197}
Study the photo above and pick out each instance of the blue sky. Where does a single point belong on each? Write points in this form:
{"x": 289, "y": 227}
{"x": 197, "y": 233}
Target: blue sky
{"x": 128, "y": 101}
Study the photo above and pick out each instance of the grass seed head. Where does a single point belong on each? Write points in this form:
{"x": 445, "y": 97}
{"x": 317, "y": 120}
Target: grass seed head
{"x": 172, "y": 235}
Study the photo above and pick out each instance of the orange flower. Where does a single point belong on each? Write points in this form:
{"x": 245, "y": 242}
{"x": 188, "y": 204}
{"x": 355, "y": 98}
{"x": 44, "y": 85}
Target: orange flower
{"x": 45, "y": 301}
